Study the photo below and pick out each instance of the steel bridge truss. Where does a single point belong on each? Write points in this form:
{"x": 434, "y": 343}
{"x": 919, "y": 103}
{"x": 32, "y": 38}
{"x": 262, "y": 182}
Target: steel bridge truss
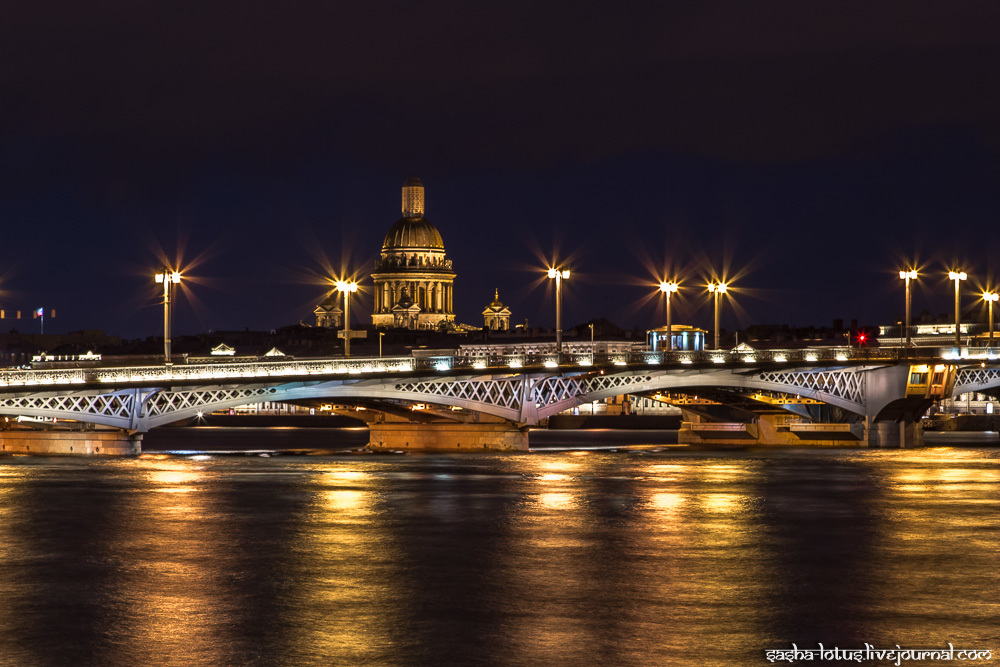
{"x": 523, "y": 398}
{"x": 976, "y": 379}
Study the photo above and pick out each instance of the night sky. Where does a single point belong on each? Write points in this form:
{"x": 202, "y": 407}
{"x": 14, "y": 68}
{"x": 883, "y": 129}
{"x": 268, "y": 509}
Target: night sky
{"x": 806, "y": 150}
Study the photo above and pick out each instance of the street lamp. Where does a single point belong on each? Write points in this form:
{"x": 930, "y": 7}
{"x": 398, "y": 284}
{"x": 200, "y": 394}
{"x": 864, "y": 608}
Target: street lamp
{"x": 168, "y": 278}
{"x": 989, "y": 298}
{"x": 347, "y": 287}
{"x": 559, "y": 275}
{"x": 908, "y": 276}
{"x": 716, "y": 289}
{"x": 668, "y": 289}
{"x": 957, "y": 276}
{"x": 381, "y": 335}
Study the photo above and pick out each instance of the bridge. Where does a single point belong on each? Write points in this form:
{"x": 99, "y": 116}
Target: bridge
{"x": 805, "y": 396}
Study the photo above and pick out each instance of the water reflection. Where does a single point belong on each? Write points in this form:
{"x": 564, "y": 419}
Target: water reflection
{"x": 168, "y": 603}
{"x": 342, "y": 601}
{"x": 590, "y": 558}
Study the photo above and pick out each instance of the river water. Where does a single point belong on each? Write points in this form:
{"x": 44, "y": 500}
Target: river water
{"x": 547, "y": 558}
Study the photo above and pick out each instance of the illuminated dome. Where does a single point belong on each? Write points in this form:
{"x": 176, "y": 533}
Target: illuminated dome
{"x": 414, "y": 279}
{"x": 413, "y": 233}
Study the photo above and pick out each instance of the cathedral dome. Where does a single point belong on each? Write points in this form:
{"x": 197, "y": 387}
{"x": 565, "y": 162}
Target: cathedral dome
{"x": 413, "y": 233}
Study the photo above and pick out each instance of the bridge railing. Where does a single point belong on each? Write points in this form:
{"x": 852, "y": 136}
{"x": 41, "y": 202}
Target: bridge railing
{"x": 241, "y": 372}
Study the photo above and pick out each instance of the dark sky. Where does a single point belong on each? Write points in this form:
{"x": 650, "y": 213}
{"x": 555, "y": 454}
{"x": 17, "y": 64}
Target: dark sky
{"x": 806, "y": 149}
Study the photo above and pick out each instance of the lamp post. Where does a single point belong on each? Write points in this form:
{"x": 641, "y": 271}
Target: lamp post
{"x": 908, "y": 276}
{"x": 989, "y": 298}
{"x": 716, "y": 289}
{"x": 957, "y": 276}
{"x": 168, "y": 278}
{"x": 668, "y": 289}
{"x": 348, "y": 287}
{"x": 381, "y": 335}
{"x": 558, "y": 275}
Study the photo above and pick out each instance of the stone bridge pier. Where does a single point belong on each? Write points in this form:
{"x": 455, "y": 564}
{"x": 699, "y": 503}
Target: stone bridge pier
{"x": 879, "y": 412}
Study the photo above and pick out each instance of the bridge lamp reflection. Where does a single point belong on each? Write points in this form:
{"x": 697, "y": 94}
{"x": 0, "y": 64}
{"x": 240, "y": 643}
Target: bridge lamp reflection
{"x": 717, "y": 289}
{"x": 989, "y": 298}
{"x": 168, "y": 278}
{"x": 558, "y": 275}
{"x": 958, "y": 277}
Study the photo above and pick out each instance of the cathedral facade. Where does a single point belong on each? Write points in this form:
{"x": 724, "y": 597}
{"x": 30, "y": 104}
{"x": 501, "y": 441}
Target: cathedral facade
{"x": 413, "y": 276}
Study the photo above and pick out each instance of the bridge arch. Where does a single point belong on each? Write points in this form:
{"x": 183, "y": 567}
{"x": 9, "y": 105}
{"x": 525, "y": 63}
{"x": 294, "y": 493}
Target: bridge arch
{"x": 521, "y": 398}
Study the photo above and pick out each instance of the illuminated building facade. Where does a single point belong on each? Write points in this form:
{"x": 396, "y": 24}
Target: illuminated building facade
{"x": 413, "y": 276}
{"x": 496, "y": 317}
{"x": 328, "y": 312}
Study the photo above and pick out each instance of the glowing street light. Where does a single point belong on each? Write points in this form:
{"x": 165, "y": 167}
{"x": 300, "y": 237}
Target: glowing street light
{"x": 989, "y": 298}
{"x": 558, "y": 275}
{"x": 908, "y": 276}
{"x": 348, "y": 287}
{"x": 668, "y": 288}
{"x": 716, "y": 289}
{"x": 957, "y": 276}
{"x": 167, "y": 278}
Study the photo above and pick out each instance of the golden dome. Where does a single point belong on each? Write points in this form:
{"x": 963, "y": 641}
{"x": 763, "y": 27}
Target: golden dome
{"x": 413, "y": 234}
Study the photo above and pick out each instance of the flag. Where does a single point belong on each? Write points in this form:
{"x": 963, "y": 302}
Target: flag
{"x": 40, "y": 312}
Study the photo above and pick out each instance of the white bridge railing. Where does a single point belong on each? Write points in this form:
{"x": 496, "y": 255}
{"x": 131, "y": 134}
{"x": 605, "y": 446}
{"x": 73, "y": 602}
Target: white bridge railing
{"x": 246, "y": 372}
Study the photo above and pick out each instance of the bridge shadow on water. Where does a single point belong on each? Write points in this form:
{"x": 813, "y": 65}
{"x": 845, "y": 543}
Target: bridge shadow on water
{"x": 290, "y": 439}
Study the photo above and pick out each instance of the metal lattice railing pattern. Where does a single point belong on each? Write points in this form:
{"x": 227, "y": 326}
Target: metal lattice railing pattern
{"x": 556, "y": 389}
{"x": 982, "y": 378}
{"x": 503, "y": 392}
{"x": 167, "y": 402}
{"x": 117, "y": 405}
{"x": 847, "y": 384}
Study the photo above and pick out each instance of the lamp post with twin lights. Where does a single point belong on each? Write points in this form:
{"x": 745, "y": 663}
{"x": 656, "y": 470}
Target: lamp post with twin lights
{"x": 347, "y": 287}
{"x": 908, "y": 276}
{"x": 668, "y": 288}
{"x": 716, "y": 289}
{"x": 169, "y": 279}
{"x": 558, "y": 275}
{"x": 957, "y": 276}
{"x": 989, "y": 298}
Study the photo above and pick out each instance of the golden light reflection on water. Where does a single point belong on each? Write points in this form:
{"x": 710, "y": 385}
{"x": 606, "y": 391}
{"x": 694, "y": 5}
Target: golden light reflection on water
{"x": 667, "y": 502}
{"x": 168, "y": 587}
{"x": 687, "y": 545}
{"x": 11, "y": 481}
{"x": 342, "y": 590}
{"x": 933, "y": 544}
{"x": 550, "y": 559}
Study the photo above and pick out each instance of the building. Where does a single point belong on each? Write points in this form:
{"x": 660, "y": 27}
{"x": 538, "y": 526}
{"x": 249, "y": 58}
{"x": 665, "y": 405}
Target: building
{"x": 496, "y": 317}
{"x": 413, "y": 276}
{"x": 328, "y": 312}
{"x": 684, "y": 338}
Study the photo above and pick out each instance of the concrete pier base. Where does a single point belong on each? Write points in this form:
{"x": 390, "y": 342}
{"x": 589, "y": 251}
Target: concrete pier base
{"x": 76, "y": 443}
{"x": 892, "y": 435}
{"x": 784, "y": 430}
{"x": 447, "y": 437}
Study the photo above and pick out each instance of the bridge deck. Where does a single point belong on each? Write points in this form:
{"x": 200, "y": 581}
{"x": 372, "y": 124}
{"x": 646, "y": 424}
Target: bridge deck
{"x": 373, "y": 367}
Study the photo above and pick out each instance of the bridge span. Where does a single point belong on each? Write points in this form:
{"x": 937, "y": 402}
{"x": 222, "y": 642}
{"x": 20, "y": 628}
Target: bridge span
{"x": 869, "y": 396}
